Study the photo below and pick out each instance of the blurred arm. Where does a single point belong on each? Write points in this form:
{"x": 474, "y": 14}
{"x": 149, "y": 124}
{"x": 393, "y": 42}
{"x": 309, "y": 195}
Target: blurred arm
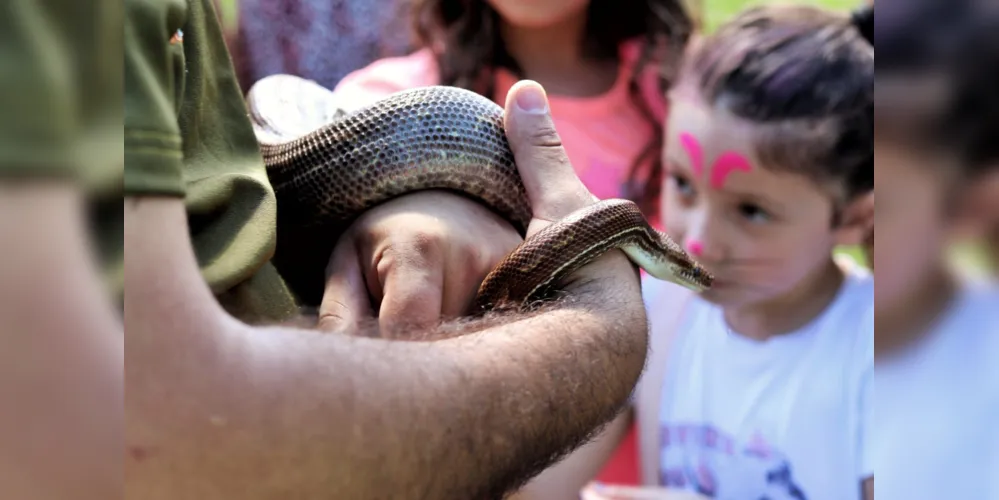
{"x": 61, "y": 381}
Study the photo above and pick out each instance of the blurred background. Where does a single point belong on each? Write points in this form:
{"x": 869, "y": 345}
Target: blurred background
{"x": 713, "y": 10}
{"x": 364, "y": 31}
{"x": 268, "y": 37}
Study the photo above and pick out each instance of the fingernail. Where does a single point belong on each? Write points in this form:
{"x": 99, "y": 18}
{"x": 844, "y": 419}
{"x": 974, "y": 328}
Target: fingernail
{"x": 531, "y": 99}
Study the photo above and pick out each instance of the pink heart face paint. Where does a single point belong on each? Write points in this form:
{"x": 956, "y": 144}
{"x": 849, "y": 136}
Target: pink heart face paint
{"x": 725, "y": 165}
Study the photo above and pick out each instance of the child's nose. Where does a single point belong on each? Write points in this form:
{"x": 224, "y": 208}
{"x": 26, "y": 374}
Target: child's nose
{"x": 705, "y": 250}
{"x": 695, "y": 247}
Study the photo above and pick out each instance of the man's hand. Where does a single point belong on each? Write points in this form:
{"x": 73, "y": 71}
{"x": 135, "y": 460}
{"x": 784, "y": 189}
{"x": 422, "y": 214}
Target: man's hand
{"x": 418, "y": 259}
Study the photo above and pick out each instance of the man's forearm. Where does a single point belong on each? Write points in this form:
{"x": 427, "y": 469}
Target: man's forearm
{"x": 328, "y": 414}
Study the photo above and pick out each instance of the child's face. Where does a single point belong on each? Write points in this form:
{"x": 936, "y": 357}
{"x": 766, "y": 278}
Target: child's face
{"x": 537, "y": 14}
{"x": 761, "y": 233}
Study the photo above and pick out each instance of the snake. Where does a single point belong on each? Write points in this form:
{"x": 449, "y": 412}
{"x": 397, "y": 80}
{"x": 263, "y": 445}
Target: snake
{"x": 327, "y": 166}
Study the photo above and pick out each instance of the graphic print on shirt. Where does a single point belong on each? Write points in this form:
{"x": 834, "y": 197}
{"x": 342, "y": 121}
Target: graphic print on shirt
{"x": 704, "y": 459}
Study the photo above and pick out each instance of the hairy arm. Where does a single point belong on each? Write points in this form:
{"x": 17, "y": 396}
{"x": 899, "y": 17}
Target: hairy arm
{"x": 214, "y": 402}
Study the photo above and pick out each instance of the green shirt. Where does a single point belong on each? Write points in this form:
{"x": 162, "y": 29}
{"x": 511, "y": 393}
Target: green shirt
{"x": 186, "y": 130}
{"x": 187, "y": 133}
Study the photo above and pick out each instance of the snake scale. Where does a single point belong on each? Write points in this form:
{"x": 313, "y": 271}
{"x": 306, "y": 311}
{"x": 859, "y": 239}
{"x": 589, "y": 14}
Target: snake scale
{"x": 327, "y": 167}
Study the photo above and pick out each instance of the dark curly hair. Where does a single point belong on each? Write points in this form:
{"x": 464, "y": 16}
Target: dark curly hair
{"x": 465, "y": 37}
{"x": 805, "y": 77}
{"x": 954, "y": 47}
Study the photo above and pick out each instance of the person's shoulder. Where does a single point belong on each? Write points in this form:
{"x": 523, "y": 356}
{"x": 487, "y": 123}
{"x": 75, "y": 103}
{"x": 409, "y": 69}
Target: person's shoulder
{"x": 852, "y": 314}
{"x": 975, "y": 307}
{"x": 386, "y": 76}
{"x": 673, "y": 310}
{"x": 856, "y": 294}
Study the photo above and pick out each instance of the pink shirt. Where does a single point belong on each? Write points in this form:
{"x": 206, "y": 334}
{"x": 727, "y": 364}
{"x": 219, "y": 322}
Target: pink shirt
{"x": 601, "y": 134}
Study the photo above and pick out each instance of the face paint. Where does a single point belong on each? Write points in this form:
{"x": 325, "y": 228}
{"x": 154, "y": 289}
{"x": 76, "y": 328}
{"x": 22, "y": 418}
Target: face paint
{"x": 695, "y": 152}
{"x": 696, "y": 248}
{"x": 725, "y": 165}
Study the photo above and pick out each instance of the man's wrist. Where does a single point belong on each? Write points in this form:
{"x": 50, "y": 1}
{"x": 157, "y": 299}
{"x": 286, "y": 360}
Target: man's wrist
{"x": 612, "y": 277}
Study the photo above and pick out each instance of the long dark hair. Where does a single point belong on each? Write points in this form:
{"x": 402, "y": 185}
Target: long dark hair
{"x": 465, "y": 37}
{"x": 805, "y": 76}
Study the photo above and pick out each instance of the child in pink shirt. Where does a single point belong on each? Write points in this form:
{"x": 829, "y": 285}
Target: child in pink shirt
{"x": 601, "y": 61}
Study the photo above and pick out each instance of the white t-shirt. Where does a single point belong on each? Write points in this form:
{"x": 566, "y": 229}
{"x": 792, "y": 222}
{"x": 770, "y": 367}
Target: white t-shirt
{"x": 937, "y": 408}
{"x": 781, "y": 419}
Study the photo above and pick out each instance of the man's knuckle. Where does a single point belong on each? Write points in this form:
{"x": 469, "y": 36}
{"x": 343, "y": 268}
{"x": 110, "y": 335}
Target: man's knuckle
{"x": 333, "y": 314}
{"x": 420, "y": 248}
{"x": 410, "y": 300}
{"x": 545, "y": 136}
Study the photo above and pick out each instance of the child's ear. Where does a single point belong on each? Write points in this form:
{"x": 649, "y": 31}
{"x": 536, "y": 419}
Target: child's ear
{"x": 856, "y": 221}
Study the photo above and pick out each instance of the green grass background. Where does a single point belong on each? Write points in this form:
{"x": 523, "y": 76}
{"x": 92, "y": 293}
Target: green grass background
{"x": 717, "y": 11}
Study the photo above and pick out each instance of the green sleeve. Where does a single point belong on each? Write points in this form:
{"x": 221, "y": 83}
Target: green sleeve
{"x": 39, "y": 122}
{"x": 154, "y": 77}
{"x": 188, "y": 133}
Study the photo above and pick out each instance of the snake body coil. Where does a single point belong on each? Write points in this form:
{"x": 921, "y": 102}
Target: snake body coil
{"x": 328, "y": 170}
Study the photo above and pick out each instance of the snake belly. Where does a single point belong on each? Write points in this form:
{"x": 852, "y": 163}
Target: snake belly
{"x": 434, "y": 137}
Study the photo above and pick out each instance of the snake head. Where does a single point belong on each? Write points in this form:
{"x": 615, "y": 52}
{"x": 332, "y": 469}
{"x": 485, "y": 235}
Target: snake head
{"x": 688, "y": 273}
{"x": 662, "y": 258}
{"x": 694, "y": 276}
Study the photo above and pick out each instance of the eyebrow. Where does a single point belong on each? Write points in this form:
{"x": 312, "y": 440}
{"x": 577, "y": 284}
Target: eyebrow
{"x": 678, "y": 160}
{"x": 756, "y": 198}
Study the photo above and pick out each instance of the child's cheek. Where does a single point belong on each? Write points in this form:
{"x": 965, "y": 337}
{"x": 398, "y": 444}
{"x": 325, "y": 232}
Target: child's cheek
{"x": 674, "y": 219}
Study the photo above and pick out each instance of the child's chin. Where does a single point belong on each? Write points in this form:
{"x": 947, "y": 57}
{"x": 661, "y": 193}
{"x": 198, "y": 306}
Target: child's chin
{"x": 724, "y": 295}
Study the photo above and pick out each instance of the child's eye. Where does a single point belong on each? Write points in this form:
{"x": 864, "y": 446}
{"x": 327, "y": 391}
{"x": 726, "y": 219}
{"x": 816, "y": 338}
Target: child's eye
{"x": 754, "y": 213}
{"x": 682, "y": 186}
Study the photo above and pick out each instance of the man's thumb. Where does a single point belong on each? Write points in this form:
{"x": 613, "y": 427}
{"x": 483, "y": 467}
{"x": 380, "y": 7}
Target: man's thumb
{"x": 552, "y": 184}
